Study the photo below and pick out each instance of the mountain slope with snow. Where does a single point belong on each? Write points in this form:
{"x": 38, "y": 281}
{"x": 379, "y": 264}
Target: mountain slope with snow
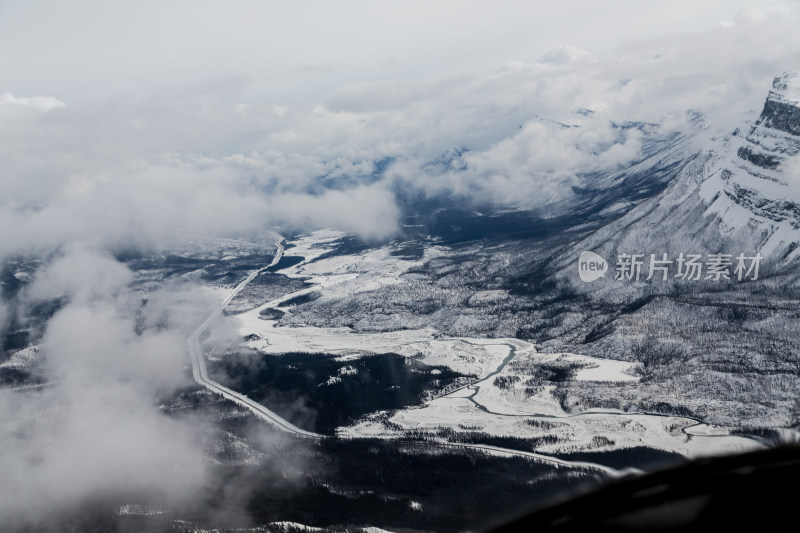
{"x": 735, "y": 196}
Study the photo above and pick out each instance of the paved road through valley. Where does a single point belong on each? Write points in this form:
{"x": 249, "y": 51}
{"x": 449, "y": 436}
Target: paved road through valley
{"x": 199, "y": 364}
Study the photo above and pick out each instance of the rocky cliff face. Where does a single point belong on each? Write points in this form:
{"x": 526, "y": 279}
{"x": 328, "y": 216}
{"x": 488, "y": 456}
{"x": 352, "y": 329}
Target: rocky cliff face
{"x": 747, "y": 188}
{"x": 781, "y": 111}
{"x": 734, "y": 196}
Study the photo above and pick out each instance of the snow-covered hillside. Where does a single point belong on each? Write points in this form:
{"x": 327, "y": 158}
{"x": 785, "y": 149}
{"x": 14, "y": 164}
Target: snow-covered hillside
{"x": 735, "y": 196}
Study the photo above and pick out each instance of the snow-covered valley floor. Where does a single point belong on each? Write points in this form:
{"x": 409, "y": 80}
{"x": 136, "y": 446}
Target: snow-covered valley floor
{"x": 497, "y": 401}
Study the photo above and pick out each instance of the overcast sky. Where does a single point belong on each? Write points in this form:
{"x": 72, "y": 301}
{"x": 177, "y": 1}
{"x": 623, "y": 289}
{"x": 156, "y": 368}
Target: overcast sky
{"x": 99, "y": 48}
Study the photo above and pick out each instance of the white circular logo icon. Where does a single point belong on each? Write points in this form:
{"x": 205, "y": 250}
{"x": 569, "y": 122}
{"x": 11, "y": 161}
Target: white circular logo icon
{"x": 591, "y": 266}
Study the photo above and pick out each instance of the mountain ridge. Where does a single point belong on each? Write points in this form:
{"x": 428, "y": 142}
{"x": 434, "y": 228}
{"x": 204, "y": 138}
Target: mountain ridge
{"x": 734, "y": 196}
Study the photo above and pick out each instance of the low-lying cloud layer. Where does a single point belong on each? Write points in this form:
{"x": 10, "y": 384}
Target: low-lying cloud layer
{"x": 93, "y": 430}
{"x": 206, "y": 160}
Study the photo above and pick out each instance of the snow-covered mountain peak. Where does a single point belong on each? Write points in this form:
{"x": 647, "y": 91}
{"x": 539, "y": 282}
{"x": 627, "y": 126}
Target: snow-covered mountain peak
{"x": 745, "y": 184}
{"x": 786, "y": 89}
{"x": 735, "y": 196}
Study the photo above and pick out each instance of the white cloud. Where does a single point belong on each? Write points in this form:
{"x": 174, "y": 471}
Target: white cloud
{"x": 791, "y": 172}
{"x": 96, "y": 442}
{"x": 42, "y": 103}
{"x": 94, "y": 430}
{"x": 369, "y": 211}
{"x": 81, "y": 275}
{"x": 567, "y": 55}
